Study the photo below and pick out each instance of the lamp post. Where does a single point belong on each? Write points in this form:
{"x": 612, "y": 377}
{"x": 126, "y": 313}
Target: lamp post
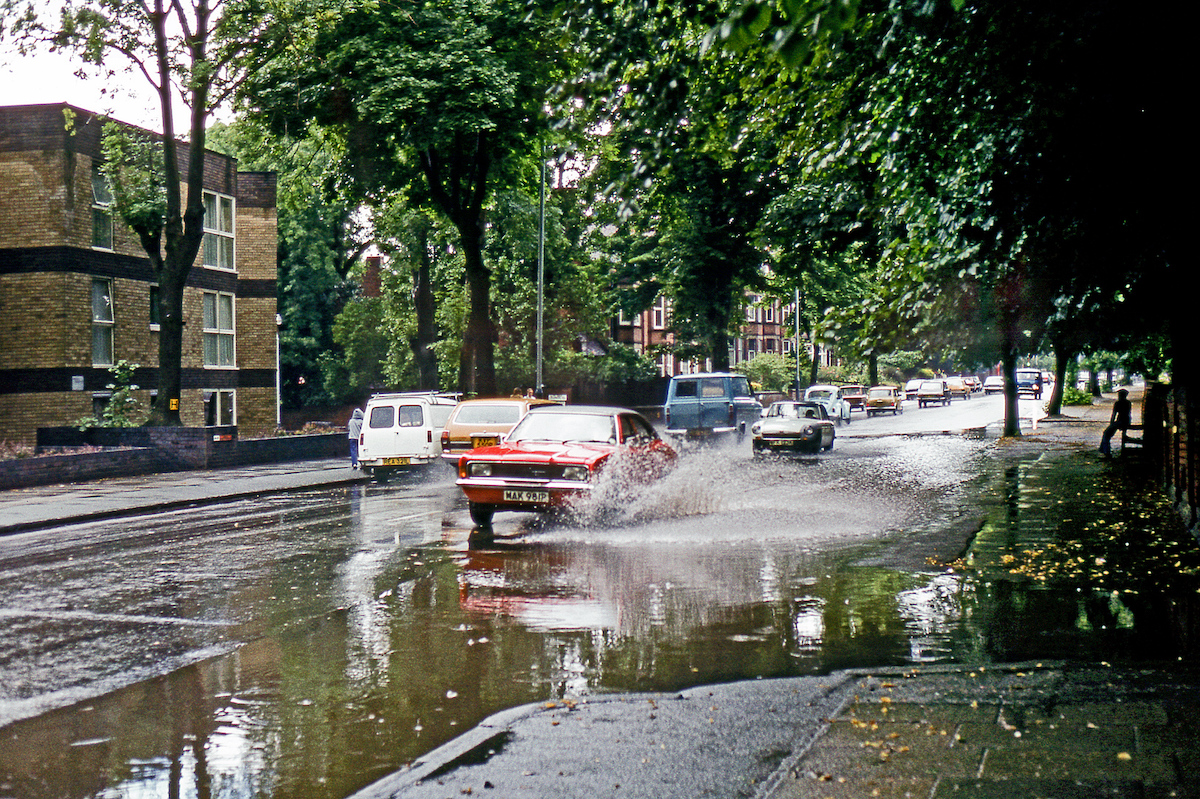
{"x": 796, "y": 349}
{"x": 541, "y": 275}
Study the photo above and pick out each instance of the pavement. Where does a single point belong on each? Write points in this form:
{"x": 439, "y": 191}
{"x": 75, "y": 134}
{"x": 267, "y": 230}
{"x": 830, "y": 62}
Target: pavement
{"x": 1013, "y": 730}
{"x": 25, "y": 509}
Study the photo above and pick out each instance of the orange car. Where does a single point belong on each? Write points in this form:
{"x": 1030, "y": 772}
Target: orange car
{"x": 481, "y": 423}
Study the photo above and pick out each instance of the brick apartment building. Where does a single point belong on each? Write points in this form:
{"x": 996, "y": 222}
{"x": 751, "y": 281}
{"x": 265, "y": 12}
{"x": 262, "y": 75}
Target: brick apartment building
{"x": 765, "y": 329}
{"x": 77, "y": 293}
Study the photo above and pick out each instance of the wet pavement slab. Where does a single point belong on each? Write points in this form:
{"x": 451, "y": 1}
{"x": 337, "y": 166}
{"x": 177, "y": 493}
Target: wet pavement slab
{"x": 1017, "y": 730}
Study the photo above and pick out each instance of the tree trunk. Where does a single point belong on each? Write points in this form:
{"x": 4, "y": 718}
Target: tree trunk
{"x": 816, "y": 362}
{"x": 1012, "y": 418}
{"x": 873, "y": 369}
{"x": 477, "y": 363}
{"x": 426, "y": 307}
{"x": 165, "y": 410}
{"x": 1061, "y": 359}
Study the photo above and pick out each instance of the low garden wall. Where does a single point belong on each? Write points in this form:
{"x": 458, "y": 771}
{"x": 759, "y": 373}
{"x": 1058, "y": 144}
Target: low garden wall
{"x": 149, "y": 450}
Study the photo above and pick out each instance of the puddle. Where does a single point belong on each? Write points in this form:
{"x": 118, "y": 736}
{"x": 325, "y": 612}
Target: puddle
{"x": 778, "y": 570}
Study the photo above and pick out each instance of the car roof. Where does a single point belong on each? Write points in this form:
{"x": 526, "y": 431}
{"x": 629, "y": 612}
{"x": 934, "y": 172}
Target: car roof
{"x": 507, "y": 401}
{"x": 590, "y": 410}
{"x": 706, "y": 374}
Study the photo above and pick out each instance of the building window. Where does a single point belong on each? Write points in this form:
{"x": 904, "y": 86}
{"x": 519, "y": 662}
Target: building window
{"x": 102, "y": 323}
{"x": 100, "y": 401}
{"x": 218, "y": 329}
{"x": 769, "y": 312}
{"x": 153, "y": 312}
{"x": 659, "y": 316}
{"x": 218, "y": 231}
{"x": 102, "y": 220}
{"x": 219, "y": 408}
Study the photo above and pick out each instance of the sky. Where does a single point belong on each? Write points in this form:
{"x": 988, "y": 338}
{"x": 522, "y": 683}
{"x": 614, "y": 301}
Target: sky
{"x": 49, "y": 78}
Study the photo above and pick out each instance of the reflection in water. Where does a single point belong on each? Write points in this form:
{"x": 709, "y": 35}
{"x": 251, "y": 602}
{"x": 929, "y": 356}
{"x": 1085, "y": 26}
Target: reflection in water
{"x": 428, "y": 636}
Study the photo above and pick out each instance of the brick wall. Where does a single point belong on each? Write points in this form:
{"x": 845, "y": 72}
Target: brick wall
{"x": 47, "y": 265}
{"x": 160, "y": 450}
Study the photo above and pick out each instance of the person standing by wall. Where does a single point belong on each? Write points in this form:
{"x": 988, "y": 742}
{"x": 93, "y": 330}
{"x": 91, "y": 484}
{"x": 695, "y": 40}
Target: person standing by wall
{"x": 1122, "y": 418}
{"x": 353, "y": 429}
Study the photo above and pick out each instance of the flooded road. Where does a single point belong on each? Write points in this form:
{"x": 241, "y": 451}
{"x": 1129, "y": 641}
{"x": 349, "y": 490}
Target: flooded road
{"x": 304, "y": 646}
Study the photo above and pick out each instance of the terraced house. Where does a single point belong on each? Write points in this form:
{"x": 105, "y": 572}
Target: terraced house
{"x": 77, "y": 293}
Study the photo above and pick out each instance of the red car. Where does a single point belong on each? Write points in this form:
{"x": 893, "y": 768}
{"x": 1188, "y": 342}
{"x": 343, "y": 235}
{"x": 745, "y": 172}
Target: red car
{"x": 553, "y": 456}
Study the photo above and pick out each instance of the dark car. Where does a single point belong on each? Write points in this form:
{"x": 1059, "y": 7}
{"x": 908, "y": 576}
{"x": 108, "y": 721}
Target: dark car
{"x": 1029, "y": 381}
{"x": 554, "y": 454}
{"x": 933, "y": 392}
{"x": 793, "y": 426}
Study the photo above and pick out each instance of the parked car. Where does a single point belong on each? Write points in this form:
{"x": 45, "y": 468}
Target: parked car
{"x": 958, "y": 388}
{"x": 882, "y": 399}
{"x": 933, "y": 392}
{"x": 973, "y": 383}
{"x": 708, "y": 404}
{"x": 1029, "y": 381}
{"x": 994, "y": 384}
{"x": 856, "y": 396}
{"x": 483, "y": 423}
{"x": 911, "y": 388}
{"x": 831, "y": 397}
{"x": 402, "y": 430}
{"x": 553, "y": 456}
{"x": 794, "y": 426}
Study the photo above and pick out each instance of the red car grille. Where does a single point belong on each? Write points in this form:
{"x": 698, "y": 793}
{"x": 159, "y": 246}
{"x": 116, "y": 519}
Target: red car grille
{"x": 527, "y": 471}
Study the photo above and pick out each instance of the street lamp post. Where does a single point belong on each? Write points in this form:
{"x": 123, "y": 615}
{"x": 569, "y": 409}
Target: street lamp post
{"x": 541, "y": 275}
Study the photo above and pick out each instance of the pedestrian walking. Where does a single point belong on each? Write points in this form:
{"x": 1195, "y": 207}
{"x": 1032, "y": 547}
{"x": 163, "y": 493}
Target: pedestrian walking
{"x": 353, "y": 429}
{"x": 1122, "y": 418}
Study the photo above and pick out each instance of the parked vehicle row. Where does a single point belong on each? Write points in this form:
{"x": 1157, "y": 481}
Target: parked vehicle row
{"x": 528, "y": 454}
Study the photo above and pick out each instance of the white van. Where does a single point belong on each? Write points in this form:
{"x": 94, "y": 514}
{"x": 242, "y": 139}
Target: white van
{"x": 401, "y": 430}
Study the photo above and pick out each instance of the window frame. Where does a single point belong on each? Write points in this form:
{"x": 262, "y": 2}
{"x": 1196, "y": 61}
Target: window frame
{"x": 102, "y": 208}
{"x": 215, "y": 234}
{"x": 214, "y": 394}
{"x": 100, "y": 323}
{"x": 216, "y": 333}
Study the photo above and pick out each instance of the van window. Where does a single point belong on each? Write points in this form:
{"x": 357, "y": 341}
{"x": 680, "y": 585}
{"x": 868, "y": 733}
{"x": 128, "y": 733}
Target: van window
{"x": 382, "y": 416}
{"x": 741, "y": 387}
{"x": 410, "y": 416}
{"x": 685, "y": 388}
{"x": 439, "y": 414}
{"x": 489, "y": 414}
{"x": 712, "y": 387}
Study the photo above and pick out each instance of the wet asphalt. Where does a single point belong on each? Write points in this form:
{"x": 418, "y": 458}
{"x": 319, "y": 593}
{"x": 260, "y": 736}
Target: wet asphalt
{"x": 1013, "y": 730}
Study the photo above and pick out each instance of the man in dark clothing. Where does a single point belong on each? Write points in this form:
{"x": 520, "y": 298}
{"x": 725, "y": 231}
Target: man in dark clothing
{"x": 1122, "y": 418}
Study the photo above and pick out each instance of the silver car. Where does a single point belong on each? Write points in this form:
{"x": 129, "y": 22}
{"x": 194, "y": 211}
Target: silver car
{"x": 793, "y": 427}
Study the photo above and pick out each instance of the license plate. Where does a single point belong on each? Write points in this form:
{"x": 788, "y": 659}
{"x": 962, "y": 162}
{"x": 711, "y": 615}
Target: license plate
{"x": 779, "y": 443}
{"x": 484, "y": 441}
{"x": 395, "y": 461}
{"x": 511, "y": 495}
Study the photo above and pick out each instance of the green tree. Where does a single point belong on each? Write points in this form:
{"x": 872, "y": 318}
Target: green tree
{"x": 320, "y": 241}
{"x": 441, "y": 100}
{"x": 191, "y": 50}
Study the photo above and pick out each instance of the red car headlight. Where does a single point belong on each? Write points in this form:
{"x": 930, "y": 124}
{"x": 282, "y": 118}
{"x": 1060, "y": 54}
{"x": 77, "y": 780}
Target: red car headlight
{"x": 575, "y": 473}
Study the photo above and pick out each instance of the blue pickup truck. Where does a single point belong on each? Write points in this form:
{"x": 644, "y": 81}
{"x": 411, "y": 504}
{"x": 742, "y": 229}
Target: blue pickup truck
{"x": 710, "y": 403}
